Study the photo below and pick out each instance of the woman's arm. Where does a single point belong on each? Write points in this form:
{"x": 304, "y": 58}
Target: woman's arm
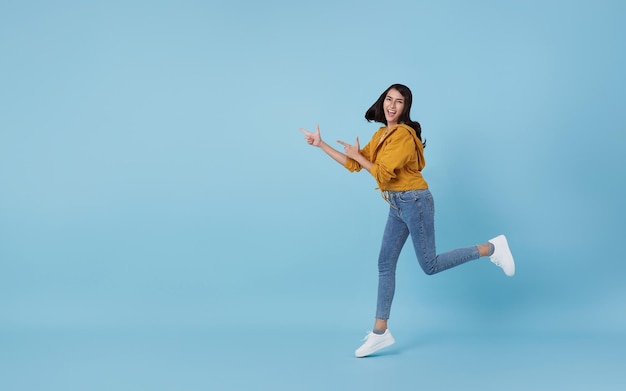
{"x": 351, "y": 151}
{"x": 315, "y": 140}
{"x": 354, "y": 153}
{"x": 335, "y": 154}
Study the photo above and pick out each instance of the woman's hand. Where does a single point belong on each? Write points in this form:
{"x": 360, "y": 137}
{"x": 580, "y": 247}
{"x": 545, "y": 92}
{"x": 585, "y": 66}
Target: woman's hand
{"x": 354, "y": 153}
{"x": 311, "y": 138}
{"x": 351, "y": 151}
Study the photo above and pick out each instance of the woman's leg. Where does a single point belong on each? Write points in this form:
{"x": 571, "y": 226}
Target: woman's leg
{"x": 394, "y": 237}
{"x": 420, "y": 219}
{"x": 396, "y": 233}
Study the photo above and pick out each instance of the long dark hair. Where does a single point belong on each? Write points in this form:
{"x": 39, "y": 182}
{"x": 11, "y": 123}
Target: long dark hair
{"x": 376, "y": 113}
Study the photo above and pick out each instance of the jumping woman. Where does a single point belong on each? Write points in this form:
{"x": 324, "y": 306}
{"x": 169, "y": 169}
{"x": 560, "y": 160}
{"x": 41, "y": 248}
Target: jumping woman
{"x": 395, "y": 158}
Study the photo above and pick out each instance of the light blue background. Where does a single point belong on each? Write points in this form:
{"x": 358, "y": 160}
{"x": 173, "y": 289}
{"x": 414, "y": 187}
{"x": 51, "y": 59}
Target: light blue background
{"x": 163, "y": 225}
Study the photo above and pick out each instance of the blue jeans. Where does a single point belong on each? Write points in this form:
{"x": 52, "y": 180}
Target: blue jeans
{"x": 412, "y": 212}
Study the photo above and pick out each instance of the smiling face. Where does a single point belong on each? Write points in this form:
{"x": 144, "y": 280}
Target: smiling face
{"x": 393, "y": 105}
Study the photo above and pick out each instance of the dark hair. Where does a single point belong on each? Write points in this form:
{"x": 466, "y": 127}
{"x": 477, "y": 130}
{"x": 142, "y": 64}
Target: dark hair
{"x": 376, "y": 113}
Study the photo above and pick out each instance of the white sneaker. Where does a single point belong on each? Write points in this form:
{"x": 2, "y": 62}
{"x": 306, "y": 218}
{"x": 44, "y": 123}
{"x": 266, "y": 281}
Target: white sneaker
{"x": 374, "y": 343}
{"x": 502, "y": 255}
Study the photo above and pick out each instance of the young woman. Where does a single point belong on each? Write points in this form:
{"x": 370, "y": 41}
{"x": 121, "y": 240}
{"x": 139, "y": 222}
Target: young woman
{"x": 395, "y": 158}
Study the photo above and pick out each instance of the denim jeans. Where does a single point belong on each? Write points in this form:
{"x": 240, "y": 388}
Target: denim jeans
{"x": 412, "y": 213}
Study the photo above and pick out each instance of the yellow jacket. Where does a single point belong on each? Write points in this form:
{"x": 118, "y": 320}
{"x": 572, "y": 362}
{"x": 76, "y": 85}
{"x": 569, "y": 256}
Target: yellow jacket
{"x": 398, "y": 159}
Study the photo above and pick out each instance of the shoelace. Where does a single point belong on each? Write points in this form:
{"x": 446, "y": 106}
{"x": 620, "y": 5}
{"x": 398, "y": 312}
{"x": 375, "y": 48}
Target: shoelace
{"x": 367, "y": 335}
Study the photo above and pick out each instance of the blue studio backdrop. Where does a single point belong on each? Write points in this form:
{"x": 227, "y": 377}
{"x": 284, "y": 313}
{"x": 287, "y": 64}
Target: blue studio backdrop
{"x": 163, "y": 224}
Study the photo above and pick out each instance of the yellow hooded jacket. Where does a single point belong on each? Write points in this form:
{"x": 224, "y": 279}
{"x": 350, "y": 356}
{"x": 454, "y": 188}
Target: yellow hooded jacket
{"x": 398, "y": 159}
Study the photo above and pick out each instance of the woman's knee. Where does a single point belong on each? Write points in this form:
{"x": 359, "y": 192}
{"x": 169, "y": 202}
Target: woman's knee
{"x": 429, "y": 267}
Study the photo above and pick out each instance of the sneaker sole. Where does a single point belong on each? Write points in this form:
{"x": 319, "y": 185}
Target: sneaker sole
{"x": 375, "y": 349}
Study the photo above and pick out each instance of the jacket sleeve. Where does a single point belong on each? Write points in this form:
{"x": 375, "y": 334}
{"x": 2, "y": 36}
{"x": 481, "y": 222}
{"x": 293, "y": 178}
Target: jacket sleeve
{"x": 394, "y": 154}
